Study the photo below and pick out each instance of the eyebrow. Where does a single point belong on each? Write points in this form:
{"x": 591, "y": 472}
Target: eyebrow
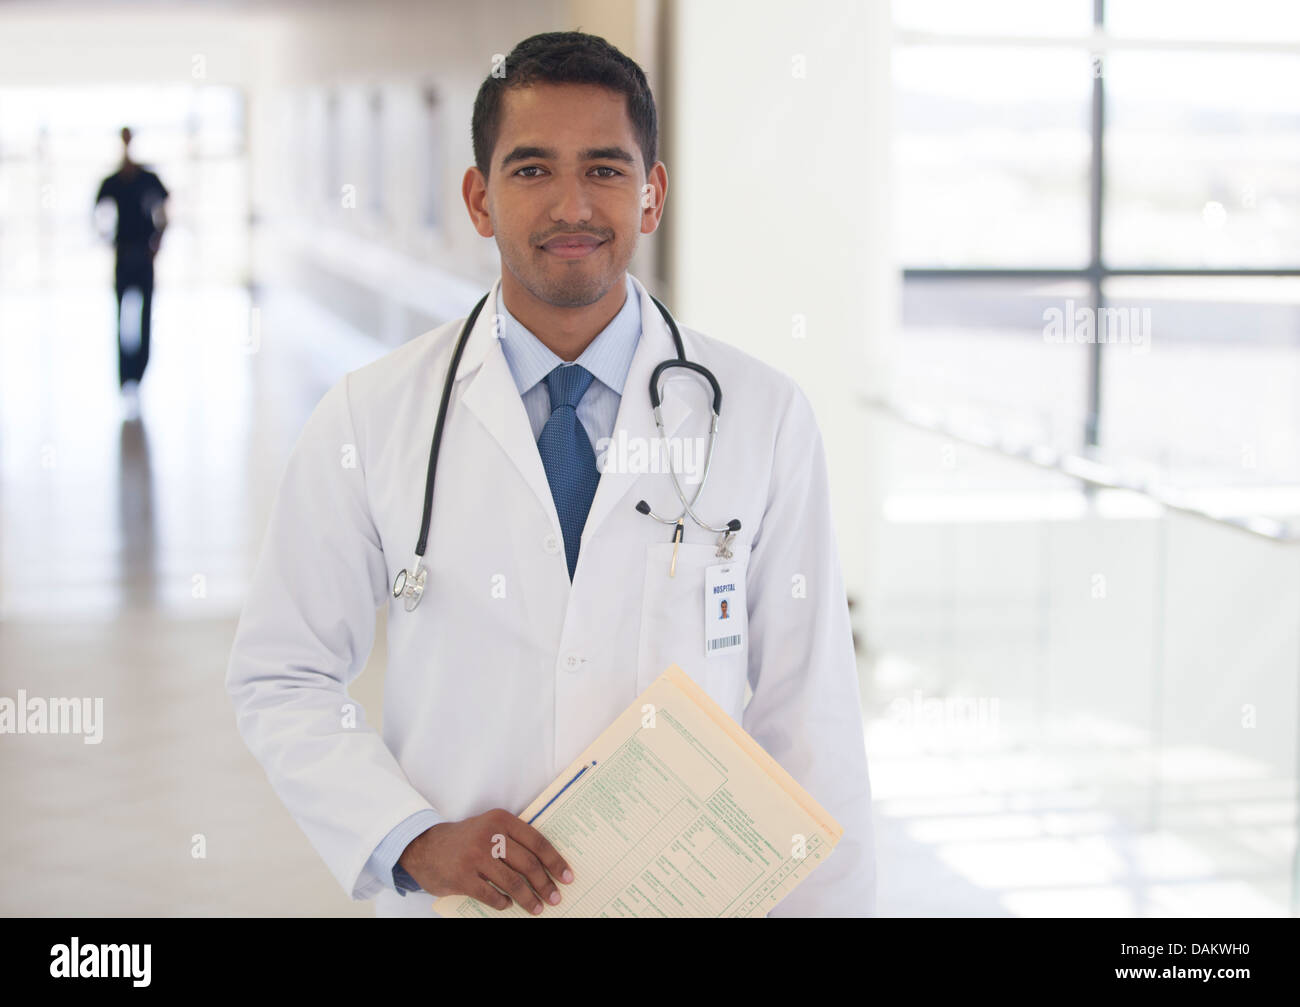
{"x": 551, "y": 154}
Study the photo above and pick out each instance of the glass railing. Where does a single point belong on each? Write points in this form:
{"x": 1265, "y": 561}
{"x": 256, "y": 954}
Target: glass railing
{"x": 1083, "y": 680}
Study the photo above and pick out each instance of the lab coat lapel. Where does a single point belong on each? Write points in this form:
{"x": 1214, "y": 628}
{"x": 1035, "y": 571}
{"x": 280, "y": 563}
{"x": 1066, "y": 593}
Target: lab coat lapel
{"x": 492, "y": 396}
{"x": 636, "y": 423}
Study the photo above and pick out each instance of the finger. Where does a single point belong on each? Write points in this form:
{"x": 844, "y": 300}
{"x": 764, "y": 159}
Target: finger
{"x": 513, "y": 884}
{"x": 541, "y": 847}
{"x": 522, "y": 859}
{"x": 488, "y": 895}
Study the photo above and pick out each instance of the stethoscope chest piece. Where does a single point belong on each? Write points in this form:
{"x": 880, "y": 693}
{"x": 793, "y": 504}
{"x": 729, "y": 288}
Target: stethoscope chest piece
{"x": 410, "y": 587}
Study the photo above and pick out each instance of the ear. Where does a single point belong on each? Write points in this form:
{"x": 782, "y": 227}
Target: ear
{"x": 473, "y": 188}
{"x": 653, "y": 194}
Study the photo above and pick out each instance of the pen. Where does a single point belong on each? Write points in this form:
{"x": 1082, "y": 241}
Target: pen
{"x": 677, "y": 540}
{"x": 589, "y": 765}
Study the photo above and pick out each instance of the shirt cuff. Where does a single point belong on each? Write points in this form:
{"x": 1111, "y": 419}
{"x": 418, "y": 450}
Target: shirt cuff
{"x": 383, "y": 862}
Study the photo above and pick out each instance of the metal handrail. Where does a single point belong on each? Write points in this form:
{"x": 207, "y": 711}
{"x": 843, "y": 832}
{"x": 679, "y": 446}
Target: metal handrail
{"x": 1085, "y": 470}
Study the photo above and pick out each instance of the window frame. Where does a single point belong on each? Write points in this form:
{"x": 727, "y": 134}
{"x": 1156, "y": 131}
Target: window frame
{"x": 1096, "y": 272}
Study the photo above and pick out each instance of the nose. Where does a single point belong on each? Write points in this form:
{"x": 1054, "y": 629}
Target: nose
{"x": 572, "y": 204}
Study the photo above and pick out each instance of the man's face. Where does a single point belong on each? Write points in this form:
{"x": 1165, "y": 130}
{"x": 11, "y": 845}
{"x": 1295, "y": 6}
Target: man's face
{"x": 564, "y": 193}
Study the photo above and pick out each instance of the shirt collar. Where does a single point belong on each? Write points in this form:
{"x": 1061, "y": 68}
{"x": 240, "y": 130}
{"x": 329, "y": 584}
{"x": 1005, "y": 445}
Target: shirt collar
{"x": 608, "y": 357}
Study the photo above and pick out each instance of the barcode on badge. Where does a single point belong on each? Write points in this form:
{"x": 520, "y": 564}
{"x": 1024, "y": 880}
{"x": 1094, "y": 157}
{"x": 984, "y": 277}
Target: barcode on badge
{"x": 724, "y": 641}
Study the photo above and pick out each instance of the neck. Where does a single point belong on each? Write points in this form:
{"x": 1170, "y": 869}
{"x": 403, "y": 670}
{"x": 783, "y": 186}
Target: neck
{"x": 566, "y": 332}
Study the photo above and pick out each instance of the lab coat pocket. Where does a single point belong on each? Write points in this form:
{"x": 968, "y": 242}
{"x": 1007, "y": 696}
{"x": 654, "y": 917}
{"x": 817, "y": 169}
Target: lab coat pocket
{"x": 673, "y": 622}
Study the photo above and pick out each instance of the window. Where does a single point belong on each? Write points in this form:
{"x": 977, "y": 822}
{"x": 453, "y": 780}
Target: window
{"x": 1098, "y": 217}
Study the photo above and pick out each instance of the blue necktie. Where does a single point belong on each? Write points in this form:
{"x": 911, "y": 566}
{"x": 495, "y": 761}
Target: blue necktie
{"x": 567, "y": 455}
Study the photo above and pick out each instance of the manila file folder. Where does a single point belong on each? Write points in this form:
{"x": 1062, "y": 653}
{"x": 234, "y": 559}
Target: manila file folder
{"x": 674, "y": 811}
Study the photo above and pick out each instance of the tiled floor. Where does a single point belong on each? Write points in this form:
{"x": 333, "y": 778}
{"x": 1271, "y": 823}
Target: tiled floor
{"x": 1074, "y": 820}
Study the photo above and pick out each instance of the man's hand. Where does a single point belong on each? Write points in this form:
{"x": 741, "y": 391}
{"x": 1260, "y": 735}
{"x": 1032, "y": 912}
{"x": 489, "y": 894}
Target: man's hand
{"x": 460, "y": 858}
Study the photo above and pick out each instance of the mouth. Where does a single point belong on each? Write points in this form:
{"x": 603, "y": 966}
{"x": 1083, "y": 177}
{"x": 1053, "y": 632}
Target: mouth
{"x": 572, "y": 246}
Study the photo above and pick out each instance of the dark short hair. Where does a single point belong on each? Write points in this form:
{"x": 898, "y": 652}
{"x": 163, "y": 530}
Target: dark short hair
{"x": 565, "y": 57}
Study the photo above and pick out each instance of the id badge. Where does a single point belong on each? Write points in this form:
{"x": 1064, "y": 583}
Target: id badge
{"x": 724, "y": 608}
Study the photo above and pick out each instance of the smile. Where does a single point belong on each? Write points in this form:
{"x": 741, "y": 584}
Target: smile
{"x": 572, "y": 248}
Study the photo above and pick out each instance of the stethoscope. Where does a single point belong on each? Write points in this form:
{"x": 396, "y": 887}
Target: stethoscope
{"x": 409, "y": 585}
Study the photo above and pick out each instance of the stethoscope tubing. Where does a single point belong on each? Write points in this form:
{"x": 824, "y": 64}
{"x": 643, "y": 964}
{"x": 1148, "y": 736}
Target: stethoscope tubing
{"x": 412, "y": 581}
{"x": 447, "y": 386}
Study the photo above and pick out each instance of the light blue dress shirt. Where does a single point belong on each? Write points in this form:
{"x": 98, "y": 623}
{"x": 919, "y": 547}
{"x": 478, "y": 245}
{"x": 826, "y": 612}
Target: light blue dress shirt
{"x": 608, "y": 357}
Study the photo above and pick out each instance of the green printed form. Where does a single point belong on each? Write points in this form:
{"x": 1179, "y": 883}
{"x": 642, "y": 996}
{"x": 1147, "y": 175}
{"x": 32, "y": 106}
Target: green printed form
{"x": 683, "y": 814}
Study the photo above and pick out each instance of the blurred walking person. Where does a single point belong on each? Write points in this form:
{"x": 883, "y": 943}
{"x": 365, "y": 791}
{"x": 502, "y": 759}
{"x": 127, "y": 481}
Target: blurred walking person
{"x": 141, "y": 219}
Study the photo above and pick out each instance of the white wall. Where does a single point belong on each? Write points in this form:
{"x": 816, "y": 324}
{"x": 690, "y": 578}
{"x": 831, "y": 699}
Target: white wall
{"x": 778, "y": 185}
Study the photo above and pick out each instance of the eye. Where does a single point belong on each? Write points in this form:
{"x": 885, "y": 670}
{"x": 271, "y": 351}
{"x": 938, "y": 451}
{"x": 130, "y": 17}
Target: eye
{"x": 605, "y": 167}
{"x": 529, "y": 167}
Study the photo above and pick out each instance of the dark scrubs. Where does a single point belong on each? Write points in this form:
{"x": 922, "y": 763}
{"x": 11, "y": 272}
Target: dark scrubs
{"x": 136, "y": 194}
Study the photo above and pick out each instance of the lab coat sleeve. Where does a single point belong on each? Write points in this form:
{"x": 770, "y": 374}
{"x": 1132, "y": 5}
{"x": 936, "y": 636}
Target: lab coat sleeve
{"x": 383, "y": 862}
{"x": 806, "y": 708}
{"x": 305, "y": 633}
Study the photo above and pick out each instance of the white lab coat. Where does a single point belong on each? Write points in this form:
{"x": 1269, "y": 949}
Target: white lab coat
{"x": 506, "y": 671}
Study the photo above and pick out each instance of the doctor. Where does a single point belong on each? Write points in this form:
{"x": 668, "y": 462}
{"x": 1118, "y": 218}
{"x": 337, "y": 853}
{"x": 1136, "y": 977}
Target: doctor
{"x": 551, "y": 601}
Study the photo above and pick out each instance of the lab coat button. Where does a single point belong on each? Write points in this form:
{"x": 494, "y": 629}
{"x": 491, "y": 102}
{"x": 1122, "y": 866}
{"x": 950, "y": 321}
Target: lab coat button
{"x": 551, "y": 544}
{"x": 572, "y": 661}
